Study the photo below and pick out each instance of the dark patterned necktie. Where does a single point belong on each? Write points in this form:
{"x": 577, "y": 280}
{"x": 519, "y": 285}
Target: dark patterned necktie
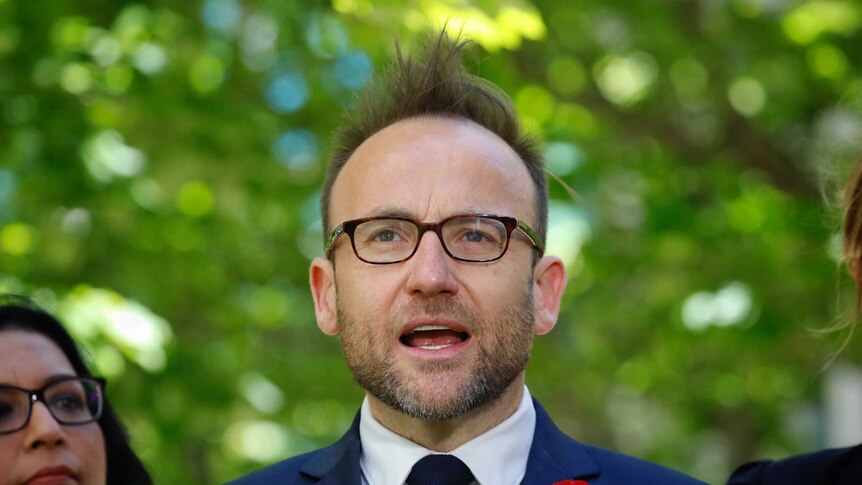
{"x": 440, "y": 470}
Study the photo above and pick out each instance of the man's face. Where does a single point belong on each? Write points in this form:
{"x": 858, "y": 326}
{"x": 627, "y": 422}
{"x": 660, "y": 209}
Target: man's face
{"x": 431, "y": 336}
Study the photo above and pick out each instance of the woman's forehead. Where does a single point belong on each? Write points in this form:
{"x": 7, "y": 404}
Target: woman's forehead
{"x": 30, "y": 359}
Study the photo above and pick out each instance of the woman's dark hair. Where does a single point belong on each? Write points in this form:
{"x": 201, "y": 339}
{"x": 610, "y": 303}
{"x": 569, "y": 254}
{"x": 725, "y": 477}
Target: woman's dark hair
{"x": 852, "y": 237}
{"x": 19, "y": 313}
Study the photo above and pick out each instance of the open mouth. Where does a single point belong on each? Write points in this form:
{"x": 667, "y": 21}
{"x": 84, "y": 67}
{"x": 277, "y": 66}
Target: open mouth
{"x": 433, "y": 337}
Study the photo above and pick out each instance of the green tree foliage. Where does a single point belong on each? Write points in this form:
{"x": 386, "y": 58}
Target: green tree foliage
{"x": 160, "y": 165}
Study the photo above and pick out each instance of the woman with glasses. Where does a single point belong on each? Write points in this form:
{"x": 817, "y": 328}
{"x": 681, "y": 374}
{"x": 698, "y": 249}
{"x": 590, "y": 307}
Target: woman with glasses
{"x": 56, "y": 426}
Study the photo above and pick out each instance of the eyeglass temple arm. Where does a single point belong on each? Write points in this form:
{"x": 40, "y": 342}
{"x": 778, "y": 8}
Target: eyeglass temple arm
{"x": 534, "y": 238}
{"x": 327, "y": 247}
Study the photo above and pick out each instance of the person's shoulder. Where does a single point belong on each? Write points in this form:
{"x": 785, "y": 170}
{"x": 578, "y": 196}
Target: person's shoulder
{"x": 622, "y": 468}
{"x": 553, "y": 449}
{"x": 835, "y": 466}
{"x": 285, "y": 471}
{"x": 340, "y": 458}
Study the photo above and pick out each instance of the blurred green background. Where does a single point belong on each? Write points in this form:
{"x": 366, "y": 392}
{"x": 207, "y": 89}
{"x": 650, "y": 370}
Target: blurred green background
{"x": 160, "y": 165}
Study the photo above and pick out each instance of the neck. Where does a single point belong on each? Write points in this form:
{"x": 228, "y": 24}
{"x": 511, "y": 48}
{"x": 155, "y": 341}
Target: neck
{"x": 445, "y": 436}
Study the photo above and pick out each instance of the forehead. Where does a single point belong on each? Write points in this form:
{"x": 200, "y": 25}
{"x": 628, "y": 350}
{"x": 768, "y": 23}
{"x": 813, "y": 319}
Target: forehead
{"x": 431, "y": 168}
{"x": 30, "y": 358}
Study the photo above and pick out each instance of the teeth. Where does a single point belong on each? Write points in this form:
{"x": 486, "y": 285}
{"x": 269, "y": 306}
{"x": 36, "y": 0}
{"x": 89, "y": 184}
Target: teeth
{"x": 426, "y": 328}
{"x": 434, "y": 347}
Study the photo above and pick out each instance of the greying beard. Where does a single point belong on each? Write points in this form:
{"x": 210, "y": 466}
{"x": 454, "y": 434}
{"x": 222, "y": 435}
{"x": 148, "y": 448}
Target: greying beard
{"x": 503, "y": 353}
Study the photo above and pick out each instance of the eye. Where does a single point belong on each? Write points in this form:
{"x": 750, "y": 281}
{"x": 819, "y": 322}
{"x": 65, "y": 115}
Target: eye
{"x": 475, "y": 236}
{"x": 383, "y": 232}
{"x": 385, "y": 235}
{"x": 10, "y": 405}
{"x": 6, "y": 410}
{"x": 67, "y": 402}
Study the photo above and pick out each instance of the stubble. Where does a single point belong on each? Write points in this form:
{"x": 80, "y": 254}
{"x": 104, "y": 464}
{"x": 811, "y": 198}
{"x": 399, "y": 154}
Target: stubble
{"x": 503, "y": 349}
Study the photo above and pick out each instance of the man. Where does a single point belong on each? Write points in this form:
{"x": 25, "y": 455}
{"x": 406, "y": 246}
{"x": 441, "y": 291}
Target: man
{"x": 435, "y": 209}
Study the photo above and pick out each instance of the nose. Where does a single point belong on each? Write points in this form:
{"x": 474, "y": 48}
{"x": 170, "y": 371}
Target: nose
{"x": 431, "y": 269}
{"x": 43, "y": 429}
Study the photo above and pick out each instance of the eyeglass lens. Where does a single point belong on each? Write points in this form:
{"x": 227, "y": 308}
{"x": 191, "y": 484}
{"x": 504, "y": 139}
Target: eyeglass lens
{"x": 469, "y": 238}
{"x": 70, "y": 401}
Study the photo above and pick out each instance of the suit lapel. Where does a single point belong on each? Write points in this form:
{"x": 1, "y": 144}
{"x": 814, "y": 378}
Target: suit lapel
{"x": 554, "y": 457}
{"x": 339, "y": 463}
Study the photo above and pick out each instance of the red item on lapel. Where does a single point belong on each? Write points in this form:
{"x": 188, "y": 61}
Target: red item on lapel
{"x": 572, "y": 482}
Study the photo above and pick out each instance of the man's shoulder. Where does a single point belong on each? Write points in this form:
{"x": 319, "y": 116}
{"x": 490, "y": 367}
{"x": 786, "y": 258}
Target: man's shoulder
{"x": 622, "y": 468}
{"x": 285, "y": 471}
{"x": 338, "y": 463}
{"x": 554, "y": 454}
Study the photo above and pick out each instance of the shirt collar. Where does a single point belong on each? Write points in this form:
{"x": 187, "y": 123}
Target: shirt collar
{"x": 497, "y": 456}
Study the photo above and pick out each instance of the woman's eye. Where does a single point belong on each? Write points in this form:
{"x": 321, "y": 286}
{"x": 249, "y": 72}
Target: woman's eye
{"x": 69, "y": 402}
{"x": 5, "y": 410}
{"x": 11, "y": 405}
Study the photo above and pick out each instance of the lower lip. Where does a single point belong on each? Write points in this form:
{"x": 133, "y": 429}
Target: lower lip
{"x": 54, "y": 479}
{"x": 438, "y": 354}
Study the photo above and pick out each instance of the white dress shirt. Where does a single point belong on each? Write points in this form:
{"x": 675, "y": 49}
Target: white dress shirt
{"x": 496, "y": 457}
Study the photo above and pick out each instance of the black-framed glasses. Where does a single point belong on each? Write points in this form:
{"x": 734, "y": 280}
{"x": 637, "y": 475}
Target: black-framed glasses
{"x": 70, "y": 400}
{"x": 474, "y": 238}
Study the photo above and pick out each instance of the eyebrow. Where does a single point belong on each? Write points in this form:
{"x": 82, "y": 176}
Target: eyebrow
{"x": 57, "y": 377}
{"x": 49, "y": 380}
{"x": 385, "y": 211}
{"x": 388, "y": 212}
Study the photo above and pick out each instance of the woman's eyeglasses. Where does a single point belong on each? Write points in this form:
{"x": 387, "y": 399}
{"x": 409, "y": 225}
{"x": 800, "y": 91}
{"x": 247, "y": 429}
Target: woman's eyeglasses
{"x": 70, "y": 400}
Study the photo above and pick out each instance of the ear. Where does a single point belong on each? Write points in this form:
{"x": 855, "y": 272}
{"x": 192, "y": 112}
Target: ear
{"x": 549, "y": 283}
{"x": 321, "y": 277}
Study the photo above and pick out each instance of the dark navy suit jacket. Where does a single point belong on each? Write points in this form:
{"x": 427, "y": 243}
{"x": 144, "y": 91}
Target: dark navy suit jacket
{"x": 840, "y": 466}
{"x": 554, "y": 457}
